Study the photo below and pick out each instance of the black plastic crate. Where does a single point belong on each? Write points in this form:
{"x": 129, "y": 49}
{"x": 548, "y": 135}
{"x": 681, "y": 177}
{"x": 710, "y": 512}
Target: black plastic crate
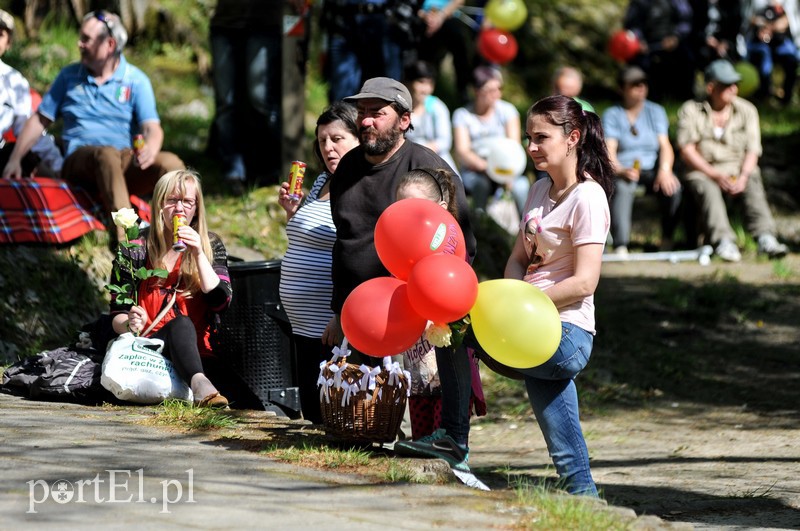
{"x": 254, "y": 336}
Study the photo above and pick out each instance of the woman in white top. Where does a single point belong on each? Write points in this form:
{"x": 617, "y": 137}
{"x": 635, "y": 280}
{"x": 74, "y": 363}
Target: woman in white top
{"x": 306, "y": 286}
{"x": 474, "y": 126}
{"x": 430, "y": 116}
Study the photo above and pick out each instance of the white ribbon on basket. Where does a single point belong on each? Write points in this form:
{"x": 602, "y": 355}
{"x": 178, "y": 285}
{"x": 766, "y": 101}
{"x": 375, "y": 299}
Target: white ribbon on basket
{"x": 341, "y": 352}
{"x": 321, "y": 378}
{"x": 323, "y": 389}
{"x": 395, "y": 373}
{"x": 368, "y": 378}
{"x": 337, "y": 375}
{"x": 350, "y": 390}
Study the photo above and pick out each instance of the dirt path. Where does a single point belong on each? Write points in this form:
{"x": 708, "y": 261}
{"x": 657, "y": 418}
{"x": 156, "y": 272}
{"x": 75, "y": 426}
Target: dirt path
{"x": 727, "y": 459}
{"x": 713, "y": 469}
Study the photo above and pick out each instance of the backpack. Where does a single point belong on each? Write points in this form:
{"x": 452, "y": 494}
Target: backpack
{"x": 70, "y": 373}
{"x": 65, "y": 373}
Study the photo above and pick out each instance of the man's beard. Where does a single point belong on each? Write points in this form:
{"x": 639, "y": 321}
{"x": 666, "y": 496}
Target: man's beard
{"x": 383, "y": 143}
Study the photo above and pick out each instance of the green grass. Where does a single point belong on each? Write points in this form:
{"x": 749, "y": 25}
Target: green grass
{"x": 184, "y": 415}
{"x": 320, "y": 456}
{"x": 549, "y": 509}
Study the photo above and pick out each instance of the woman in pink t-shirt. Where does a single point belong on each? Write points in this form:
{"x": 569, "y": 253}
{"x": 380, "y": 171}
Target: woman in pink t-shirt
{"x": 559, "y": 250}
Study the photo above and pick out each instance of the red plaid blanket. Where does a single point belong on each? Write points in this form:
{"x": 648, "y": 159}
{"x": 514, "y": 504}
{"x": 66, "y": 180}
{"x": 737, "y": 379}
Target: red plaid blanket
{"x": 45, "y": 210}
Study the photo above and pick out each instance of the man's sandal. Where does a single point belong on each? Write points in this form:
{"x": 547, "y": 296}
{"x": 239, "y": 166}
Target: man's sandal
{"x": 214, "y": 401}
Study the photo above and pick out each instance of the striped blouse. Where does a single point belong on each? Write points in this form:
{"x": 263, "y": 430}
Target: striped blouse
{"x": 306, "y": 286}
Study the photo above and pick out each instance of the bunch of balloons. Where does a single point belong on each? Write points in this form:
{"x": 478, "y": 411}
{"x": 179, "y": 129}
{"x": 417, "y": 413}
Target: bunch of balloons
{"x": 422, "y": 245}
{"x": 496, "y": 44}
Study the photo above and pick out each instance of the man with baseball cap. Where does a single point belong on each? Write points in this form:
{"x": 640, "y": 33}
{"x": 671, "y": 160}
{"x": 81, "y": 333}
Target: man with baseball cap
{"x": 363, "y": 187}
{"x": 720, "y": 141}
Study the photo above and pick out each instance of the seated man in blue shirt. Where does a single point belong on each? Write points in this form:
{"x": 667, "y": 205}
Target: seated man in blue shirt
{"x": 105, "y": 102}
{"x": 637, "y": 137}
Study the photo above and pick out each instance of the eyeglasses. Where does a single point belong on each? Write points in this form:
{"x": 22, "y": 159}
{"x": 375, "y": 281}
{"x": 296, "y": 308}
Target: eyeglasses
{"x": 188, "y": 202}
{"x": 107, "y": 21}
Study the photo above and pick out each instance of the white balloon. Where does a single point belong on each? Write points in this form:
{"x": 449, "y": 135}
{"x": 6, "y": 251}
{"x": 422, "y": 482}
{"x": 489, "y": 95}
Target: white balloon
{"x": 506, "y": 160}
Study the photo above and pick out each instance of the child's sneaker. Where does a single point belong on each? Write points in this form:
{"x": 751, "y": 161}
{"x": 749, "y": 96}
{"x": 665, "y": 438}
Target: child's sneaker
{"x": 437, "y": 445}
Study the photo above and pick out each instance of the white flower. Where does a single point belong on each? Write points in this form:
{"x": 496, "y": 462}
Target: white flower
{"x": 125, "y": 218}
{"x": 439, "y": 334}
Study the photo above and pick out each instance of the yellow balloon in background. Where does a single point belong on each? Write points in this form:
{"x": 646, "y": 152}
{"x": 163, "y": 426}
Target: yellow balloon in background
{"x": 515, "y": 323}
{"x": 750, "y": 81}
{"x": 507, "y": 15}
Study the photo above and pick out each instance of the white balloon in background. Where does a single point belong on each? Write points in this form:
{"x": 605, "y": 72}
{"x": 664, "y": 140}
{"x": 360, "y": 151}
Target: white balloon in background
{"x": 506, "y": 160}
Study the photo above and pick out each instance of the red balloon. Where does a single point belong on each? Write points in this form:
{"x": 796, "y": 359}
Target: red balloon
{"x": 411, "y": 229}
{"x": 497, "y": 46}
{"x": 623, "y": 45}
{"x": 378, "y": 319}
{"x": 442, "y": 288}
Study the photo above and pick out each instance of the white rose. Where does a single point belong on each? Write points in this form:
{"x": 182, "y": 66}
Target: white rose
{"x": 125, "y": 218}
{"x": 438, "y": 334}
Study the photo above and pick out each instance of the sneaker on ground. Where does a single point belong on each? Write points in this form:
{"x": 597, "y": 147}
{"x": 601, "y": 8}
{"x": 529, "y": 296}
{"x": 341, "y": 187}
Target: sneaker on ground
{"x": 621, "y": 250}
{"x": 770, "y": 246}
{"x": 437, "y": 445}
{"x": 727, "y": 250}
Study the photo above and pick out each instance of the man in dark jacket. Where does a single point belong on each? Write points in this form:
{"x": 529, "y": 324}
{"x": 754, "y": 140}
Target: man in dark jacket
{"x": 363, "y": 188}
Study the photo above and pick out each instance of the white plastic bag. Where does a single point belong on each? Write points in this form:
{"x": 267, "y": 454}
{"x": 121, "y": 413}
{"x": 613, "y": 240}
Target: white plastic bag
{"x": 503, "y": 210}
{"x": 135, "y": 371}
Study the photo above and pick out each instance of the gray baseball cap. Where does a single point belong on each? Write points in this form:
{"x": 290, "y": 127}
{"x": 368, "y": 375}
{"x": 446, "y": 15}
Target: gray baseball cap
{"x": 386, "y": 89}
{"x": 722, "y": 71}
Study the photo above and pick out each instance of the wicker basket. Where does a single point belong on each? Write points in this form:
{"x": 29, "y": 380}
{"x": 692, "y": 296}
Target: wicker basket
{"x": 363, "y": 407}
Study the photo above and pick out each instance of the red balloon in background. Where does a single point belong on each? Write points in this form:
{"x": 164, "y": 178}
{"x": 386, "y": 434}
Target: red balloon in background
{"x": 411, "y": 229}
{"x": 442, "y": 288}
{"x": 377, "y": 317}
{"x": 623, "y": 45}
{"x": 497, "y": 46}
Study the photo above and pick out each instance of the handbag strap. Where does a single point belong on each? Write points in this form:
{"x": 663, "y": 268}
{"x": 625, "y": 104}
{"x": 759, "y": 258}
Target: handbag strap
{"x": 166, "y": 308}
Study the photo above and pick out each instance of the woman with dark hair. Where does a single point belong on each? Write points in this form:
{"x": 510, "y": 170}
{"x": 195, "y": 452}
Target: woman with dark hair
{"x": 197, "y": 276}
{"x": 559, "y": 250}
{"x": 306, "y": 286}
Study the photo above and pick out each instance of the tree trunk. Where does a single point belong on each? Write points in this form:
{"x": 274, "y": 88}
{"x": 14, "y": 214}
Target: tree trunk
{"x": 131, "y": 12}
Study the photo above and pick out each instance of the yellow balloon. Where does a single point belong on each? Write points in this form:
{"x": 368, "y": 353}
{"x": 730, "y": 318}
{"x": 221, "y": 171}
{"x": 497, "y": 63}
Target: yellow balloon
{"x": 507, "y": 15}
{"x": 515, "y": 323}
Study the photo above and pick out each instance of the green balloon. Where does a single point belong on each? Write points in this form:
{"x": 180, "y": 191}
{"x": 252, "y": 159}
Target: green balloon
{"x": 507, "y": 15}
{"x": 750, "y": 81}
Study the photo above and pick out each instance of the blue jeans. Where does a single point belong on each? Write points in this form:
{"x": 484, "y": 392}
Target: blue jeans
{"x": 363, "y": 52}
{"x": 247, "y": 96}
{"x": 764, "y": 56}
{"x": 554, "y": 398}
{"x": 455, "y": 375}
